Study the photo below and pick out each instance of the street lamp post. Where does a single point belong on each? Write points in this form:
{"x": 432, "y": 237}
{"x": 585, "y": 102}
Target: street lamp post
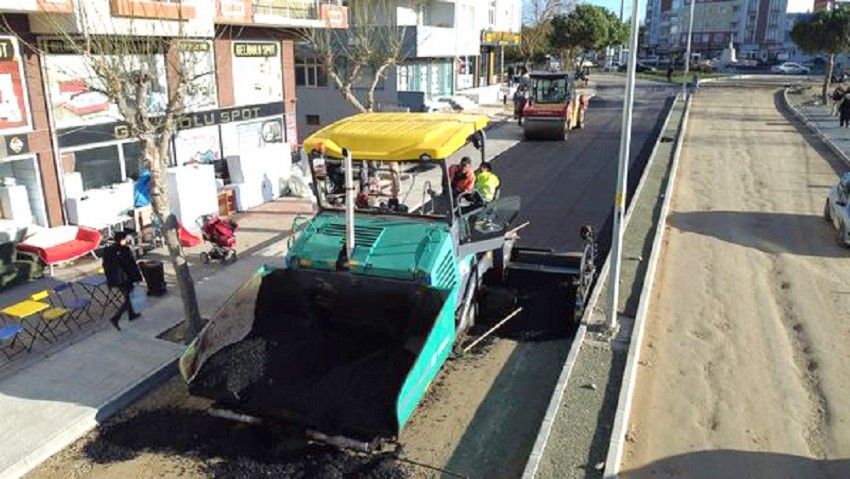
{"x": 688, "y": 51}
{"x": 622, "y": 174}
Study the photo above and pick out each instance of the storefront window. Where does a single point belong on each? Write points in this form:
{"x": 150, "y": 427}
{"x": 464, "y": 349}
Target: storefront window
{"x": 132, "y": 159}
{"x": 99, "y": 167}
{"x": 74, "y": 89}
{"x": 23, "y": 201}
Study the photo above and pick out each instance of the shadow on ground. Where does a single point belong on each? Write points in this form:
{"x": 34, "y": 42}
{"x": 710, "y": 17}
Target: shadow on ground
{"x": 731, "y": 463}
{"x": 774, "y": 233}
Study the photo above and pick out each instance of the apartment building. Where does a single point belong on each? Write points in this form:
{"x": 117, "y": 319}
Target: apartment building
{"x": 62, "y": 142}
{"x": 450, "y": 46}
{"x": 757, "y": 28}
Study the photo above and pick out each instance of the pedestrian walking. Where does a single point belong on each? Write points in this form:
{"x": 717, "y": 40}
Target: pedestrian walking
{"x": 844, "y": 111}
{"x": 122, "y": 273}
{"x": 670, "y": 72}
{"x": 520, "y": 100}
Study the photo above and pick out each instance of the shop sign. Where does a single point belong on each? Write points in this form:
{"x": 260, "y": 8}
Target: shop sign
{"x": 236, "y": 11}
{"x": 493, "y": 39}
{"x": 257, "y": 72}
{"x": 14, "y": 104}
{"x": 291, "y": 129}
{"x": 15, "y": 145}
{"x": 254, "y": 49}
{"x": 335, "y": 16}
{"x": 121, "y": 130}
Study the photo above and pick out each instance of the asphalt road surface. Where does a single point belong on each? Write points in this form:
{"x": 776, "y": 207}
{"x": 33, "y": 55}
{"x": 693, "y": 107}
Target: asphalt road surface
{"x": 565, "y": 185}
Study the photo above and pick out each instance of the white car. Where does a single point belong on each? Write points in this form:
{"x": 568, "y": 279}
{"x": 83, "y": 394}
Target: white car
{"x": 836, "y": 211}
{"x": 790, "y": 68}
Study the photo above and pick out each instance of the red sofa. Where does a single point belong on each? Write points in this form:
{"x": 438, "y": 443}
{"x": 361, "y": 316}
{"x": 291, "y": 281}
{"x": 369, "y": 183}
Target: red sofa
{"x": 61, "y": 244}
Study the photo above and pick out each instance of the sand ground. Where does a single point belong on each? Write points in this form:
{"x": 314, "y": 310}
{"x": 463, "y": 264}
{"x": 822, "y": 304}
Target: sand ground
{"x": 743, "y": 368}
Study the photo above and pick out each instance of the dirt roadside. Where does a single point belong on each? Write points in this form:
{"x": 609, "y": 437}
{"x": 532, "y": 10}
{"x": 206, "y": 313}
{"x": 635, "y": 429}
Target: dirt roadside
{"x": 742, "y": 369}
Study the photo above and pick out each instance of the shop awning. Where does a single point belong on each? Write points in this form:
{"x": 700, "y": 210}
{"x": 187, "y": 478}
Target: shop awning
{"x": 397, "y": 136}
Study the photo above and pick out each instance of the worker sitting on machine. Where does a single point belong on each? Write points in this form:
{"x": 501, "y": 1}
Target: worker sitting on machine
{"x": 462, "y": 177}
{"x": 486, "y": 182}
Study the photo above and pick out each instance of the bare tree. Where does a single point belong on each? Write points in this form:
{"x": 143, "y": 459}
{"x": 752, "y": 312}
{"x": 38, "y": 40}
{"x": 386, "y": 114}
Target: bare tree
{"x": 537, "y": 25}
{"x": 361, "y": 55}
{"x": 126, "y": 70}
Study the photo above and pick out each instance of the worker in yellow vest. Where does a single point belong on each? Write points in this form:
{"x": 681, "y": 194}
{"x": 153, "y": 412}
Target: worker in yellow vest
{"x": 486, "y": 182}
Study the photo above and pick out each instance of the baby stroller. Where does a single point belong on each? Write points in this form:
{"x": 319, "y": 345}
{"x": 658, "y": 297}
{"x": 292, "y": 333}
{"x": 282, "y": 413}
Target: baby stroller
{"x": 220, "y": 233}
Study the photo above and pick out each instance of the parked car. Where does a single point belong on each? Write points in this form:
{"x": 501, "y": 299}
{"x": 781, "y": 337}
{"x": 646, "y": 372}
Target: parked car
{"x": 790, "y": 68}
{"x": 835, "y": 209}
{"x": 640, "y": 68}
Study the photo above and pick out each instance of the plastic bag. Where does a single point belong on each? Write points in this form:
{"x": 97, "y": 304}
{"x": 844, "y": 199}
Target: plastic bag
{"x": 138, "y": 299}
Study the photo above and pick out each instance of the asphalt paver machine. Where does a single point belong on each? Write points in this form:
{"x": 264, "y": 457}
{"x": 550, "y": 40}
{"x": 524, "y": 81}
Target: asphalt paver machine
{"x": 554, "y": 107}
{"x": 345, "y": 334}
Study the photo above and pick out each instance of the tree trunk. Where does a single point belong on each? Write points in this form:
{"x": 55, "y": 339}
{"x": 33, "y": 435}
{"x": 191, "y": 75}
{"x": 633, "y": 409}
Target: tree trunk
{"x": 370, "y": 94}
{"x": 827, "y": 78}
{"x": 156, "y": 153}
{"x": 344, "y": 89}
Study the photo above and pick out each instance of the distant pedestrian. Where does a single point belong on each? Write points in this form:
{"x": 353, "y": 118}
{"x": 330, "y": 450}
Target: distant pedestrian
{"x": 837, "y": 96}
{"x": 122, "y": 273}
{"x": 695, "y": 84}
{"x": 670, "y": 72}
{"x": 844, "y": 111}
{"x": 520, "y": 100}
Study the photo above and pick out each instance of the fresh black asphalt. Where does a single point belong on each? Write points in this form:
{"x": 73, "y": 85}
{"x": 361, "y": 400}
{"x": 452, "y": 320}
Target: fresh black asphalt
{"x": 567, "y": 184}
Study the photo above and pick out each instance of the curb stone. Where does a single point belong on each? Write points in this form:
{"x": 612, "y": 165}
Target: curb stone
{"x": 621, "y": 420}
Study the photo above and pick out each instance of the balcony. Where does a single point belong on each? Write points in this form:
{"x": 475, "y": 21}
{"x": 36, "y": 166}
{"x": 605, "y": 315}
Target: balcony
{"x": 425, "y": 41}
{"x": 300, "y": 13}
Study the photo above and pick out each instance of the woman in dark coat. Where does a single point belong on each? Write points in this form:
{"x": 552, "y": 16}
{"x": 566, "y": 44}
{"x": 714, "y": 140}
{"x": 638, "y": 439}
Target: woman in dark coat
{"x": 122, "y": 272}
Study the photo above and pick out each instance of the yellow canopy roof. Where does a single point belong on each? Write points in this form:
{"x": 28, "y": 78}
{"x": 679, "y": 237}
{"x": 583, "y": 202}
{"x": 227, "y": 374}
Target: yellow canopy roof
{"x": 397, "y": 136}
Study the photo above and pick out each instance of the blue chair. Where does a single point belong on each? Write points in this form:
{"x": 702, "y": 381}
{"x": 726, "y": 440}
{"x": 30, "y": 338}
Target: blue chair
{"x": 8, "y": 338}
{"x": 78, "y": 309}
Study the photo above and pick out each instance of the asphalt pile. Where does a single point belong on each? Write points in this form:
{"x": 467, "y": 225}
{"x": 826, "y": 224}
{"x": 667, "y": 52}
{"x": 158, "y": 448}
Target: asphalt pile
{"x": 231, "y": 450}
{"x": 322, "y": 356}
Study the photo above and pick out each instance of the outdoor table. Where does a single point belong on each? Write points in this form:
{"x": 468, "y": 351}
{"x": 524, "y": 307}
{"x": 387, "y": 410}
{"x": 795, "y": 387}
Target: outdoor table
{"x": 23, "y": 312}
{"x": 96, "y": 287}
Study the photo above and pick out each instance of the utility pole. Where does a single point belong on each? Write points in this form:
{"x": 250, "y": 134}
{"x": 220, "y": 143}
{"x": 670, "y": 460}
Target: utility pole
{"x": 688, "y": 51}
{"x": 622, "y": 174}
{"x": 622, "y": 14}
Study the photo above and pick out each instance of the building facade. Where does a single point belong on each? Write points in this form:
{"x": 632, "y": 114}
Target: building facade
{"x": 450, "y": 46}
{"x": 66, "y": 145}
{"x": 757, "y": 28}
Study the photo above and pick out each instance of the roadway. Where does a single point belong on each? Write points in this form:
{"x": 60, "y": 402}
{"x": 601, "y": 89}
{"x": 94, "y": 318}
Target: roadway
{"x": 484, "y": 412}
{"x": 565, "y": 185}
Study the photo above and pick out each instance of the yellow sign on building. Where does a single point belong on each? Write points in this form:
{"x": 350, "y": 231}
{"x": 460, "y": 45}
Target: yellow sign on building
{"x": 492, "y": 39}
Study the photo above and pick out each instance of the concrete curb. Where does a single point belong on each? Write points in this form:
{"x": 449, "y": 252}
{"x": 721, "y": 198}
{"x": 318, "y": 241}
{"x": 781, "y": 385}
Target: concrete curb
{"x": 545, "y": 431}
{"x": 114, "y": 405}
{"x": 617, "y": 443}
{"x": 814, "y": 128}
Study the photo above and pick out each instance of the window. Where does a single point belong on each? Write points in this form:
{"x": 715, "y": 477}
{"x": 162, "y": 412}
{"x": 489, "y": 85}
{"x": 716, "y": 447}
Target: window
{"x": 313, "y": 120}
{"x": 98, "y": 167}
{"x": 310, "y": 72}
{"x": 132, "y": 158}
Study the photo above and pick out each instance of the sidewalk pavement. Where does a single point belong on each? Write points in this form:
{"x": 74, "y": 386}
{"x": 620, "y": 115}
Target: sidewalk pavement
{"x": 57, "y": 399}
{"x": 819, "y": 118}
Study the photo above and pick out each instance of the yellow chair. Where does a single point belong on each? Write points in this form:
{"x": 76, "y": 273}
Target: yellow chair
{"x": 54, "y": 316}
